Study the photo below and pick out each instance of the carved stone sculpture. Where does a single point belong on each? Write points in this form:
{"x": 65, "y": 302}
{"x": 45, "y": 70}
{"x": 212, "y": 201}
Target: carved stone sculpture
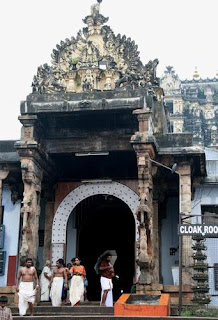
{"x": 94, "y": 44}
{"x": 30, "y": 210}
{"x": 144, "y": 214}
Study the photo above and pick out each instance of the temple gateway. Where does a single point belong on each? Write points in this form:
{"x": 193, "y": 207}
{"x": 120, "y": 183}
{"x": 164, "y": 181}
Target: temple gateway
{"x": 92, "y": 170}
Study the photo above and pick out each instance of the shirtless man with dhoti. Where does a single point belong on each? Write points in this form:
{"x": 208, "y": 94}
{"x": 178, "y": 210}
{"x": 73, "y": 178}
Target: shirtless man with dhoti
{"x": 107, "y": 273}
{"x": 25, "y": 287}
{"x": 58, "y": 278}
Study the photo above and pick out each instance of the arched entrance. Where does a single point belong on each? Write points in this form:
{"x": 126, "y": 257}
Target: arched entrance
{"x": 103, "y": 216}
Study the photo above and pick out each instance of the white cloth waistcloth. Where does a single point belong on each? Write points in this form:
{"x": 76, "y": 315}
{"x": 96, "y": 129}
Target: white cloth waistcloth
{"x": 56, "y": 291}
{"x": 44, "y": 284}
{"x": 26, "y": 294}
{"x": 76, "y": 290}
{"x": 106, "y": 284}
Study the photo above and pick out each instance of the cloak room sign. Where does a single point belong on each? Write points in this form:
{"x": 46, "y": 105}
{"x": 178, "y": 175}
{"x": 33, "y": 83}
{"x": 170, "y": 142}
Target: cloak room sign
{"x": 205, "y": 230}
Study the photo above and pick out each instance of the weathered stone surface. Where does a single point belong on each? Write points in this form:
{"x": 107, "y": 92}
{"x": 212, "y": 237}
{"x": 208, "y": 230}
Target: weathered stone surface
{"x": 32, "y": 177}
{"x": 95, "y": 60}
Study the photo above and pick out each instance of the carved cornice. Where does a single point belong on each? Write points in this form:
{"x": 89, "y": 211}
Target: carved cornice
{"x": 145, "y": 148}
{"x": 85, "y": 104}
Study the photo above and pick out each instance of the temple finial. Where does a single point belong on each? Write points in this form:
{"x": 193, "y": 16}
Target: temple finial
{"x": 196, "y": 75}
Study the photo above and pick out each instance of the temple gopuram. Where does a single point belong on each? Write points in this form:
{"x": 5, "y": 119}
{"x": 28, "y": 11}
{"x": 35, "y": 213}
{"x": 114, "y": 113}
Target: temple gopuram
{"x": 193, "y": 106}
{"x": 92, "y": 170}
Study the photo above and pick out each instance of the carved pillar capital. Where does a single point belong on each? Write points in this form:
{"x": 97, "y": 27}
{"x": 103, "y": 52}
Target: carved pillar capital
{"x": 144, "y": 117}
{"x": 145, "y": 134}
{"x": 144, "y": 150}
{"x": 28, "y": 120}
{"x": 31, "y": 128}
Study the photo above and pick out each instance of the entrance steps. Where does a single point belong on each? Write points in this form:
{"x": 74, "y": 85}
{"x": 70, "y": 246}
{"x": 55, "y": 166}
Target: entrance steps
{"x": 88, "y": 312}
{"x": 66, "y": 312}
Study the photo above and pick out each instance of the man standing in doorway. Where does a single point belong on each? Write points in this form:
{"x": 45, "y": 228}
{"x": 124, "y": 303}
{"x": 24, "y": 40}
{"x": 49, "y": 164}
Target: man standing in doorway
{"x": 25, "y": 287}
{"x": 59, "y": 273}
{"x": 107, "y": 273}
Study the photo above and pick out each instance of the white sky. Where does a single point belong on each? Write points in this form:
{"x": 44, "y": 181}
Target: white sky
{"x": 181, "y": 33}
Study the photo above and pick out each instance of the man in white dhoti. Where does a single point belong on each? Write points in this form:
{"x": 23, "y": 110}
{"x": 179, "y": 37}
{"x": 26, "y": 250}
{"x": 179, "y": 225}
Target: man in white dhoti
{"x": 45, "y": 281}
{"x": 107, "y": 273}
{"x": 59, "y": 273}
{"x": 25, "y": 287}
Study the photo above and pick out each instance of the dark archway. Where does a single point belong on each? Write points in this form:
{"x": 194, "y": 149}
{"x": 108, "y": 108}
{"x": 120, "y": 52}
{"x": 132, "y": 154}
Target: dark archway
{"x": 104, "y": 222}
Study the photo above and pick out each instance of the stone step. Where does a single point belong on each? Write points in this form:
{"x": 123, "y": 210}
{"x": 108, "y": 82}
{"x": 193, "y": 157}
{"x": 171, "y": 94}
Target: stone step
{"x": 64, "y": 317}
{"x": 68, "y": 310}
{"x": 90, "y": 309}
{"x": 104, "y": 317}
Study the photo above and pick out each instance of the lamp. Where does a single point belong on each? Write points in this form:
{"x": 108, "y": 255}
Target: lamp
{"x": 173, "y": 169}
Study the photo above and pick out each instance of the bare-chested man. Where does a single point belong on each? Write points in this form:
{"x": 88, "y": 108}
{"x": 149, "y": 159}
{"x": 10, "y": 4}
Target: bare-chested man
{"x": 25, "y": 287}
{"x": 107, "y": 273}
{"x": 59, "y": 273}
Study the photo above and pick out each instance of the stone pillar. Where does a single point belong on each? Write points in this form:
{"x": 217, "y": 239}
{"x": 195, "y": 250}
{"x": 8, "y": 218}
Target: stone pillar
{"x": 185, "y": 207}
{"x": 49, "y": 215}
{"x": 35, "y": 164}
{"x": 30, "y": 157}
{"x": 143, "y": 143}
{"x": 155, "y": 244}
{"x": 32, "y": 177}
{"x": 3, "y": 175}
{"x": 30, "y": 129}
{"x": 145, "y": 214}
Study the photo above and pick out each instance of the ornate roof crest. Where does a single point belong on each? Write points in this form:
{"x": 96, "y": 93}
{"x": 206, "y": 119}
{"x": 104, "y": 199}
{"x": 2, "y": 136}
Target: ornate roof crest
{"x": 96, "y": 59}
{"x": 170, "y": 82}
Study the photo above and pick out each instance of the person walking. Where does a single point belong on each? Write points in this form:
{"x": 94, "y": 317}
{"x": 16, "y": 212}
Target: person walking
{"x": 25, "y": 287}
{"x": 45, "y": 281}
{"x": 107, "y": 273}
{"x": 59, "y": 273}
{"x": 77, "y": 282}
{"x": 66, "y": 300}
{"x": 5, "y": 312}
